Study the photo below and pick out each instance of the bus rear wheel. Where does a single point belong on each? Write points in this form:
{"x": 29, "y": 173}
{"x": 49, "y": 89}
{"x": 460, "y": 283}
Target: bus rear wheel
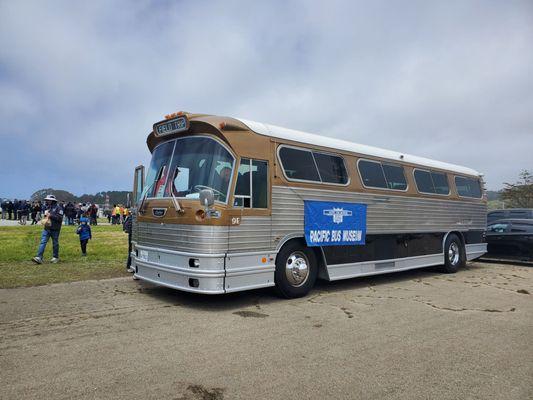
{"x": 454, "y": 254}
{"x": 296, "y": 270}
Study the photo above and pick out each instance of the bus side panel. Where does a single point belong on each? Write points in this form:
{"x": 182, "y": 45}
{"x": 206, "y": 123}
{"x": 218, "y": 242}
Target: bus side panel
{"x": 385, "y": 214}
{"x": 250, "y": 262}
{"x": 402, "y": 232}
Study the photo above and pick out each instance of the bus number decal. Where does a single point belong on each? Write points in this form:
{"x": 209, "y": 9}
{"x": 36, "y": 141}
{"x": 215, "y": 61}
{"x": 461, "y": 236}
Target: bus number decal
{"x": 235, "y": 220}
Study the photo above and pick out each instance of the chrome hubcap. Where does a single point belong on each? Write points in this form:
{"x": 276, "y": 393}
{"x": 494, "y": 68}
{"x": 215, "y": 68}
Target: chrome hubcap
{"x": 453, "y": 253}
{"x": 297, "y": 269}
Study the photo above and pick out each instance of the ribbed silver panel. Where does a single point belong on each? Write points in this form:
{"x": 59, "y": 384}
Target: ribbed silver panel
{"x": 253, "y": 234}
{"x": 188, "y": 238}
{"x": 385, "y": 214}
{"x": 134, "y": 230}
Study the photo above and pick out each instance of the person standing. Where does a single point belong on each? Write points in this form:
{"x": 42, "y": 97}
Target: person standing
{"x": 9, "y": 208}
{"x": 127, "y": 228}
{"x": 52, "y": 228}
{"x": 4, "y": 209}
{"x": 35, "y": 211}
{"x": 93, "y": 214}
{"x": 84, "y": 230}
{"x": 24, "y": 211}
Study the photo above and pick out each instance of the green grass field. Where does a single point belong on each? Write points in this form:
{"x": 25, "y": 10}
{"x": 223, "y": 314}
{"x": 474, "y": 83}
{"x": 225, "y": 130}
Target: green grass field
{"x": 106, "y": 258}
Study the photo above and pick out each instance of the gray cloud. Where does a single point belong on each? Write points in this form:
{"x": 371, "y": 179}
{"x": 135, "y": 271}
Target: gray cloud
{"x": 82, "y": 83}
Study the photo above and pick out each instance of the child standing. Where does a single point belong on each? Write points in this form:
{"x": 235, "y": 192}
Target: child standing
{"x": 84, "y": 230}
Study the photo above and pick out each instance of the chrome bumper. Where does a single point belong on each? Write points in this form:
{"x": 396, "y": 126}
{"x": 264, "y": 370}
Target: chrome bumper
{"x": 171, "y": 269}
{"x": 215, "y": 274}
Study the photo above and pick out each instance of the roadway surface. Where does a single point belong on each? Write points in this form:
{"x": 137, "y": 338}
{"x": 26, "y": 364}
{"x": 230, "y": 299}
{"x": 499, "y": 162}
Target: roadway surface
{"x": 411, "y": 335}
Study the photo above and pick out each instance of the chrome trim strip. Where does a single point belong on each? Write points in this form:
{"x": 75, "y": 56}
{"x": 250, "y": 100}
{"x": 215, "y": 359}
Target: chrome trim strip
{"x": 249, "y": 271}
{"x": 425, "y": 261}
{"x": 184, "y": 288}
{"x": 387, "y": 260}
{"x": 180, "y": 253}
{"x": 250, "y": 287}
{"x": 196, "y": 273}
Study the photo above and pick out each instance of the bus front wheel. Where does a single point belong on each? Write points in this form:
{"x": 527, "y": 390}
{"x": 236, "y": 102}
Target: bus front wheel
{"x": 454, "y": 254}
{"x": 296, "y": 270}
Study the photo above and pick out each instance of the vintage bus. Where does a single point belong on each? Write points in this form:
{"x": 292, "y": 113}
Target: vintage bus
{"x": 229, "y": 204}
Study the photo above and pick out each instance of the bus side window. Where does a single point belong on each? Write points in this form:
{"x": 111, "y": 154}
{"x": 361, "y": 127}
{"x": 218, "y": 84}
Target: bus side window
{"x": 251, "y": 190}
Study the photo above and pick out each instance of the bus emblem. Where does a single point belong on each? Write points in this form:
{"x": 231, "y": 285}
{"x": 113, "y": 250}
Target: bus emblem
{"x": 338, "y": 214}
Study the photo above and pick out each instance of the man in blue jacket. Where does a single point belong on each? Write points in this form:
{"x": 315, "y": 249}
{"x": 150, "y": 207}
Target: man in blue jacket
{"x": 52, "y": 227}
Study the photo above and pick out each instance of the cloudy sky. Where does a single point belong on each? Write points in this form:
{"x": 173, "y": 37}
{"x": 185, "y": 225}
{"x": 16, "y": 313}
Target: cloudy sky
{"x": 82, "y": 82}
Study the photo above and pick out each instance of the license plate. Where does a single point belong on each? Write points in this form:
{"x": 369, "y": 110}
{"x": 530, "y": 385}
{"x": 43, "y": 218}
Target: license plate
{"x": 143, "y": 255}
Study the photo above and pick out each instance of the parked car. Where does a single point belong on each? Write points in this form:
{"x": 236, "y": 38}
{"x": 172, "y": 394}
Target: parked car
{"x": 510, "y": 213}
{"x": 511, "y": 238}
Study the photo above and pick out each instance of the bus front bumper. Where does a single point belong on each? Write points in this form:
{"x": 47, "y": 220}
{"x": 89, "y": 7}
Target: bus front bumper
{"x": 173, "y": 270}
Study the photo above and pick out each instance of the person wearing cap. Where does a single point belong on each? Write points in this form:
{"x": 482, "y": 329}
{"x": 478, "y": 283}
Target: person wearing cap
{"x": 52, "y": 227}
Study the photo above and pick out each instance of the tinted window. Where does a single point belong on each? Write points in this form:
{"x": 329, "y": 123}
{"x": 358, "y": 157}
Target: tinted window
{"x": 331, "y": 168}
{"x": 518, "y": 214}
{"x": 424, "y": 182}
{"x": 252, "y": 172}
{"x": 259, "y": 184}
{"x": 468, "y": 187}
{"x": 499, "y": 228}
{"x": 372, "y": 174}
{"x": 440, "y": 182}
{"x": 395, "y": 177}
{"x": 298, "y": 164}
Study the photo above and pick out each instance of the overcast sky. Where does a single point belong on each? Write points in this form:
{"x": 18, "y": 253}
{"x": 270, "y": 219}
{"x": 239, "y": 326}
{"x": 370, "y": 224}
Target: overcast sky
{"x": 82, "y": 82}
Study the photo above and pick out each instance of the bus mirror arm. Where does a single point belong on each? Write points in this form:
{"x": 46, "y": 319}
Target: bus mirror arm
{"x": 207, "y": 199}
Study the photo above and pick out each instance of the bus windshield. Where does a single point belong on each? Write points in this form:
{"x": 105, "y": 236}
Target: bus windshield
{"x": 185, "y": 166}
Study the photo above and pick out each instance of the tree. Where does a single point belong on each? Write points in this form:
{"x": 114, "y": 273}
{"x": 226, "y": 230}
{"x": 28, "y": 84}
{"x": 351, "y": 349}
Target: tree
{"x": 61, "y": 195}
{"x": 520, "y": 194}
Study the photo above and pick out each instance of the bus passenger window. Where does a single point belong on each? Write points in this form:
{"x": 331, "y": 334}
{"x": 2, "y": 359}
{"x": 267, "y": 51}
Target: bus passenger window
{"x": 331, "y": 168}
{"x": 251, "y": 190}
{"x": 440, "y": 182}
{"x": 468, "y": 187}
{"x": 395, "y": 177}
{"x": 372, "y": 174}
{"x": 298, "y": 164}
{"x": 424, "y": 182}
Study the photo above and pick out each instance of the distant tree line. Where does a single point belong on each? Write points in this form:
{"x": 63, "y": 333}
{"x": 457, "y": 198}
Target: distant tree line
{"x": 519, "y": 194}
{"x": 115, "y": 196}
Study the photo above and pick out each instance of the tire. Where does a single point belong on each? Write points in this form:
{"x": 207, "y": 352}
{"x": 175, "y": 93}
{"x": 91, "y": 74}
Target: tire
{"x": 296, "y": 270}
{"x": 454, "y": 254}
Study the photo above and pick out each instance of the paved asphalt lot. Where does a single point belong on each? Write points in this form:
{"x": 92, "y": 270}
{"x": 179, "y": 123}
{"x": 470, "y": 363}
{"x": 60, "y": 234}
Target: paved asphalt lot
{"x": 412, "y": 335}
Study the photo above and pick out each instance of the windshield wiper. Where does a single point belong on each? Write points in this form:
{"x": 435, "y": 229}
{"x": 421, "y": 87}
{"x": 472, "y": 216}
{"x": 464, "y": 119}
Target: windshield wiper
{"x": 176, "y": 203}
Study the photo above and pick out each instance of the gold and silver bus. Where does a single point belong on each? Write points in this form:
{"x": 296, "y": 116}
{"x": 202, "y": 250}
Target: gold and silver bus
{"x": 229, "y": 204}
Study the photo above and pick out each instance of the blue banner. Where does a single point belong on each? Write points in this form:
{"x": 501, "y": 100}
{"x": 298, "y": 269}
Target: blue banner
{"x": 334, "y": 224}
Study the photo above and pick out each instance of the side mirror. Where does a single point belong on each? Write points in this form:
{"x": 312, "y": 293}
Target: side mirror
{"x": 138, "y": 184}
{"x": 207, "y": 198}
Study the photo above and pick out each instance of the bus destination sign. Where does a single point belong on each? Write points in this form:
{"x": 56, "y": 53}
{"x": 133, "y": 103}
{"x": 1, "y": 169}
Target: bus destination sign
{"x": 171, "y": 126}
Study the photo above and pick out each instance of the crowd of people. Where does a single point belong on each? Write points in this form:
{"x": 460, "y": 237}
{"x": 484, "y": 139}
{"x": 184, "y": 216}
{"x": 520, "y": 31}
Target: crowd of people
{"x": 24, "y": 211}
{"x": 52, "y": 214}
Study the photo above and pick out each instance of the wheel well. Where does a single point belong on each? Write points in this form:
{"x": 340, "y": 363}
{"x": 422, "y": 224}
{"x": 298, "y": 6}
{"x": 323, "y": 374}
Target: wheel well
{"x": 322, "y": 270}
{"x": 458, "y": 234}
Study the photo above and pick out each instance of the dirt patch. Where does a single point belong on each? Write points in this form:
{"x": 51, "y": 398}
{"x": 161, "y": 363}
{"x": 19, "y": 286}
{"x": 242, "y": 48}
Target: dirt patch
{"x": 198, "y": 392}
{"x": 250, "y": 314}
{"x": 522, "y": 291}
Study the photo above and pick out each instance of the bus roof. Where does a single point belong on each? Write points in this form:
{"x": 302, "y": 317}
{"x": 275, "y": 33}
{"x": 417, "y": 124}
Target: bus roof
{"x": 338, "y": 144}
